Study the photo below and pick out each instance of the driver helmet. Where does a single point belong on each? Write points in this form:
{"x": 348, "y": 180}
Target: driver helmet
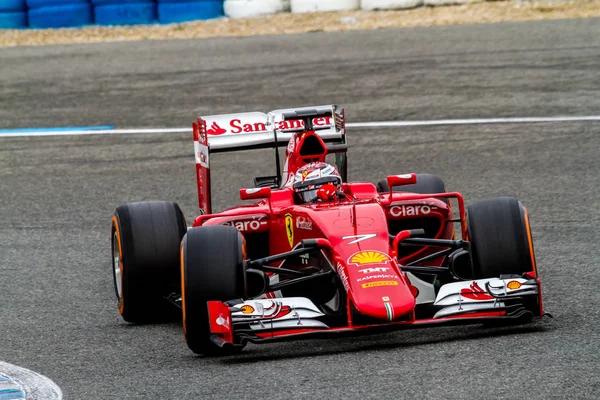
{"x": 310, "y": 177}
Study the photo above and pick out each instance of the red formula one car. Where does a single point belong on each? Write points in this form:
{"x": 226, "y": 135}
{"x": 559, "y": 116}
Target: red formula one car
{"x": 315, "y": 255}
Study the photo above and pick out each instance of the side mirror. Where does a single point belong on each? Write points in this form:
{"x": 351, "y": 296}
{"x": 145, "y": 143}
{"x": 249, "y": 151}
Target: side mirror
{"x": 400, "y": 180}
{"x": 255, "y": 193}
{"x": 266, "y": 181}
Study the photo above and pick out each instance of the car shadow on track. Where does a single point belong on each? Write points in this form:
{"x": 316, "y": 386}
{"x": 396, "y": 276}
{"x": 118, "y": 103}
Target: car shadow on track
{"x": 377, "y": 342}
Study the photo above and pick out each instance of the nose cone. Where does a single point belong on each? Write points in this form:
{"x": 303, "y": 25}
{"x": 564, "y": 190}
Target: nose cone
{"x": 359, "y": 234}
{"x": 375, "y": 287}
{"x": 387, "y": 300}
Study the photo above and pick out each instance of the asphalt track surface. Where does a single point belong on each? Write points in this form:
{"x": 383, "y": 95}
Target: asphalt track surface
{"x": 58, "y": 312}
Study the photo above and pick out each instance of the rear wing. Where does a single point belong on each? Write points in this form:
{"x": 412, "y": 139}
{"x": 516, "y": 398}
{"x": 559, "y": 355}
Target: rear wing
{"x": 257, "y": 130}
{"x": 229, "y": 132}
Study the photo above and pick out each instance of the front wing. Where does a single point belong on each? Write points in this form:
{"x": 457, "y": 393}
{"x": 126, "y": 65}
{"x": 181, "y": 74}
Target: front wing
{"x": 484, "y": 301}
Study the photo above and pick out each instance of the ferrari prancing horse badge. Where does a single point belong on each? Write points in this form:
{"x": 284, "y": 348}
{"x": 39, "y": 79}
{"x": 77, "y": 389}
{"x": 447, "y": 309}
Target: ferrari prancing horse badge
{"x": 289, "y": 229}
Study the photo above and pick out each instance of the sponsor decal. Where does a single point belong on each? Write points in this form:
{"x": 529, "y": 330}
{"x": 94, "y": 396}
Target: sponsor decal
{"x": 223, "y": 321}
{"x": 203, "y": 159}
{"x": 202, "y": 155}
{"x": 475, "y": 292}
{"x": 289, "y": 229}
{"x": 369, "y": 257}
{"x": 404, "y": 176}
{"x": 303, "y": 223}
{"x": 247, "y": 309}
{"x": 291, "y": 144}
{"x": 513, "y": 285}
{"x": 359, "y": 238}
{"x": 343, "y": 276}
{"x": 259, "y": 307}
{"x": 385, "y": 298}
{"x": 305, "y": 174}
{"x": 321, "y": 121}
{"x": 380, "y": 276}
{"x": 253, "y": 190}
{"x": 215, "y": 129}
{"x": 236, "y": 125}
{"x": 410, "y": 211}
{"x": 373, "y": 270}
{"x": 379, "y": 283}
{"x": 248, "y": 225}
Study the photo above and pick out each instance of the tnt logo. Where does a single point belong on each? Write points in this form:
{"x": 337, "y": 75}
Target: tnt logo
{"x": 373, "y": 270}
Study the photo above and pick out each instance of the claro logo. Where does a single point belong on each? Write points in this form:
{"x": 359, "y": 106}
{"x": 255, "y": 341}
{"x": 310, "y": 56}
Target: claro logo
{"x": 249, "y": 225}
{"x": 410, "y": 211}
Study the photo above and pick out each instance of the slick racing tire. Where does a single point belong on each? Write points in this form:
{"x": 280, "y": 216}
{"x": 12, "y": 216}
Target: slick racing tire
{"x": 426, "y": 184}
{"x": 500, "y": 236}
{"x": 145, "y": 240}
{"x": 211, "y": 269}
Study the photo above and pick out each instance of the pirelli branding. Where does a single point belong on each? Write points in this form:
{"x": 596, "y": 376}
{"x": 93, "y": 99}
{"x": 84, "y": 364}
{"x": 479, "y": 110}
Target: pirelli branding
{"x": 379, "y": 283}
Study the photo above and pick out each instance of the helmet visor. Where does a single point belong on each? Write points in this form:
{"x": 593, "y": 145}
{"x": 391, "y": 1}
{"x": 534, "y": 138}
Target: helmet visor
{"x": 307, "y": 190}
{"x": 308, "y": 196}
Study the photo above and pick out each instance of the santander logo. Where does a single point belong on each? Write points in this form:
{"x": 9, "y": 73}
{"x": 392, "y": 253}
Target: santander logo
{"x": 236, "y": 125}
{"x": 215, "y": 129}
{"x": 475, "y": 292}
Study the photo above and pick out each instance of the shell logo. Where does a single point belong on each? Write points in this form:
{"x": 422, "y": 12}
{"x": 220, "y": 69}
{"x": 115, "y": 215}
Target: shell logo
{"x": 247, "y": 309}
{"x": 369, "y": 257}
{"x": 513, "y": 285}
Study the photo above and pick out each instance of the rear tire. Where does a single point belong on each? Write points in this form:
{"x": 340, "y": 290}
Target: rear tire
{"x": 145, "y": 241}
{"x": 500, "y": 237}
{"x": 211, "y": 269}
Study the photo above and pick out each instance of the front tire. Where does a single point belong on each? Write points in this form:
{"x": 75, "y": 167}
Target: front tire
{"x": 211, "y": 269}
{"x": 500, "y": 237}
{"x": 145, "y": 245}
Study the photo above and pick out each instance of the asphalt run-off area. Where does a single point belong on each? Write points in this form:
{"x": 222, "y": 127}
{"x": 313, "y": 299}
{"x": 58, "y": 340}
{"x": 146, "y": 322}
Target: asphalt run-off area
{"x": 497, "y": 109}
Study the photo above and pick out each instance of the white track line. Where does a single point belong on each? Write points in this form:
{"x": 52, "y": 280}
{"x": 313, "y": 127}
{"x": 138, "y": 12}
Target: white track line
{"x": 97, "y": 132}
{"x": 35, "y": 386}
{"x": 376, "y": 124}
{"x": 521, "y": 120}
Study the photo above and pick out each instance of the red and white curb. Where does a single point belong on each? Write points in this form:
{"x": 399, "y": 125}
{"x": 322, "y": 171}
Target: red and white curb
{"x": 20, "y": 383}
